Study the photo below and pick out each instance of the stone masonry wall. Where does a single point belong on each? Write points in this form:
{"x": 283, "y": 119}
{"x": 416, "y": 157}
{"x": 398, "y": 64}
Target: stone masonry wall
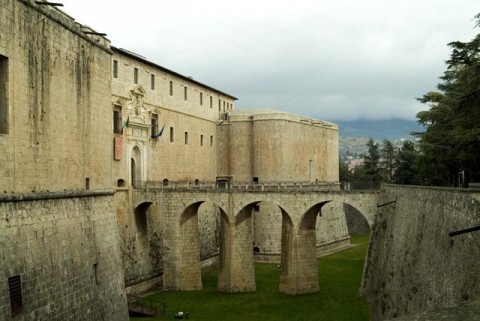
{"x": 280, "y": 147}
{"x": 141, "y": 240}
{"x": 412, "y": 264}
{"x": 216, "y": 217}
{"x": 331, "y": 230}
{"x": 292, "y": 151}
{"x": 209, "y": 231}
{"x": 187, "y": 149}
{"x": 57, "y": 85}
{"x": 64, "y": 247}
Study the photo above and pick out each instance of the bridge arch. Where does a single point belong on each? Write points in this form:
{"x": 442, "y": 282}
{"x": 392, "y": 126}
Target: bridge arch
{"x": 352, "y": 214}
{"x": 183, "y": 268}
{"x": 141, "y": 242}
{"x": 140, "y": 215}
{"x": 189, "y": 212}
{"x": 188, "y": 245}
{"x": 357, "y": 222}
{"x": 309, "y": 219}
{"x": 237, "y": 264}
{"x": 298, "y": 216}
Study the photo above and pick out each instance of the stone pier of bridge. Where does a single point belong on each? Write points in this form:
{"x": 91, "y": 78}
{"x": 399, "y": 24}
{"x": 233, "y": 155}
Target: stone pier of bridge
{"x": 182, "y": 267}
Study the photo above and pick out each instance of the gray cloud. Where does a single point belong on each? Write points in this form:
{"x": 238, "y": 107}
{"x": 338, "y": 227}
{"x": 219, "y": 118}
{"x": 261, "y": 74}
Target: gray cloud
{"x": 338, "y": 59}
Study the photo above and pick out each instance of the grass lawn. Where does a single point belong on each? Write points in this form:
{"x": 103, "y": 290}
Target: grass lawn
{"x": 338, "y": 300}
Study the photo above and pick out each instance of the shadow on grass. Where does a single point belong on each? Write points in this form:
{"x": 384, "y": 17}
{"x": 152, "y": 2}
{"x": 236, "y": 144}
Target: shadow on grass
{"x": 338, "y": 300}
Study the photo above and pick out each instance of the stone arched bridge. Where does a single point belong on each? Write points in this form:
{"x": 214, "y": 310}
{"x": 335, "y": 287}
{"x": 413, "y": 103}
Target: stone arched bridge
{"x": 300, "y": 208}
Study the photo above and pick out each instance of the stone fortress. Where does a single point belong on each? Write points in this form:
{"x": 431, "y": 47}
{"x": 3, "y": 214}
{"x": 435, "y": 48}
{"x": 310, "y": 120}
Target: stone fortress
{"x": 118, "y": 174}
{"x": 84, "y": 124}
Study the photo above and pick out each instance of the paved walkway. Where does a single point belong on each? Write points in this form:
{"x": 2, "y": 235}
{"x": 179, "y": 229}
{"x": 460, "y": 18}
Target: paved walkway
{"x": 464, "y": 312}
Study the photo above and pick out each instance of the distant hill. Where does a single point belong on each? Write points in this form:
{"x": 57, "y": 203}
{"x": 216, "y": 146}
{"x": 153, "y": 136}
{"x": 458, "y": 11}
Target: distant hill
{"x": 354, "y": 135}
{"x": 391, "y": 129}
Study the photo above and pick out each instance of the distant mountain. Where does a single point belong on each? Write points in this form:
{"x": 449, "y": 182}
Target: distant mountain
{"x": 391, "y": 129}
{"x": 354, "y": 135}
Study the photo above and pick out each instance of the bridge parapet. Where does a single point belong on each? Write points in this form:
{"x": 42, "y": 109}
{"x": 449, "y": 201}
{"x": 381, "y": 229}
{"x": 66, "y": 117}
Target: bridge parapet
{"x": 239, "y": 186}
{"x": 178, "y": 209}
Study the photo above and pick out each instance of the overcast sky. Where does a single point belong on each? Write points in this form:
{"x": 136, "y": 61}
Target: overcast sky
{"x": 328, "y": 59}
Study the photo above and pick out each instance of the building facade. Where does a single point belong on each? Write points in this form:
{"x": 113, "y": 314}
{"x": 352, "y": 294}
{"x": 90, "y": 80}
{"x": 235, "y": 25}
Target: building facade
{"x": 59, "y": 243}
{"x": 83, "y": 124}
{"x": 265, "y": 145}
{"x": 166, "y": 122}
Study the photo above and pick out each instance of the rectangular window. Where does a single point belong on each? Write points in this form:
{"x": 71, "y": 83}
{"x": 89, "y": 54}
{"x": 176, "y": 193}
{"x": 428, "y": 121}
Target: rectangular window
{"x": 219, "y": 105}
{"x": 3, "y": 95}
{"x": 201, "y": 140}
{"x": 185, "y": 92}
{"x": 135, "y": 75}
{"x": 152, "y": 82}
{"x": 171, "y": 134}
{"x": 171, "y": 88}
{"x": 117, "y": 120}
{"x": 211, "y": 140}
{"x": 224, "y": 106}
{"x": 211, "y": 101}
{"x": 201, "y": 99}
{"x": 115, "y": 69}
{"x": 15, "y": 291}
{"x": 154, "y": 125}
{"x": 186, "y": 138}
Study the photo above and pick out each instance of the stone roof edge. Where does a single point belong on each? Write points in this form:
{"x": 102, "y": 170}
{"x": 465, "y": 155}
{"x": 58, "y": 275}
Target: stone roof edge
{"x": 152, "y": 64}
{"x": 69, "y": 23}
{"x": 271, "y": 114}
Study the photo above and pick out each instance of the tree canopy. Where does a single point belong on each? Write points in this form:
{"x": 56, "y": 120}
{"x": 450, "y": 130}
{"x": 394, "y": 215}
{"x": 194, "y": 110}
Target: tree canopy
{"x": 450, "y": 144}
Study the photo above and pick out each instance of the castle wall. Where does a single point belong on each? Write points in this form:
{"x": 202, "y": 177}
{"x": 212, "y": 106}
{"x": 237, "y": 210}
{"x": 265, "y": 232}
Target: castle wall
{"x": 241, "y": 152}
{"x": 412, "y": 264}
{"x": 58, "y": 235}
{"x": 187, "y": 111}
{"x": 223, "y": 151}
{"x": 59, "y": 89}
{"x": 64, "y": 248}
{"x": 280, "y": 147}
{"x": 161, "y": 94}
{"x": 141, "y": 240}
{"x": 209, "y": 232}
{"x": 142, "y": 235}
{"x": 55, "y": 90}
{"x": 179, "y": 160}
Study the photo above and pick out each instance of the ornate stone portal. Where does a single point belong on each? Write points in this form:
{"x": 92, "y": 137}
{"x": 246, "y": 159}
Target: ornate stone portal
{"x": 137, "y": 135}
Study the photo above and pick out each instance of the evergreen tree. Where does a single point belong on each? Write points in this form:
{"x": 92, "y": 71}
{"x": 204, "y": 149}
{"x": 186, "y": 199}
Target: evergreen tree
{"x": 406, "y": 172}
{"x": 388, "y": 160}
{"x": 450, "y": 144}
{"x": 372, "y": 161}
{"x": 344, "y": 173}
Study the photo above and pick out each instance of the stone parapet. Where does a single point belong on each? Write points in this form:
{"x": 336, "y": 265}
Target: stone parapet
{"x": 63, "y": 248}
{"x": 413, "y": 265}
